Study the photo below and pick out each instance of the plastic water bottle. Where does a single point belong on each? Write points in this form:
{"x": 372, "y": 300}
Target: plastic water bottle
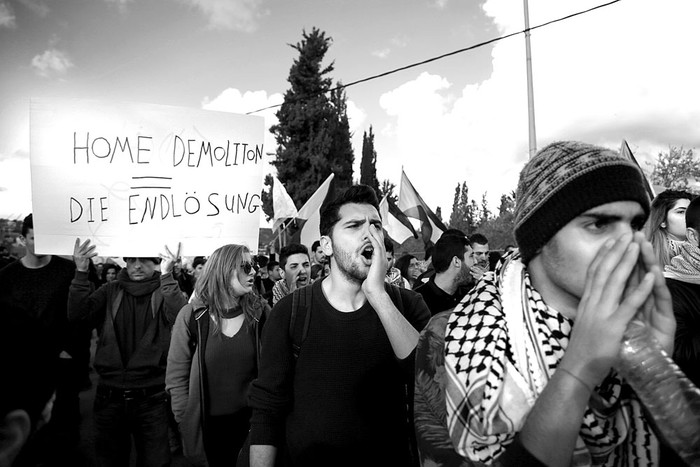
{"x": 668, "y": 395}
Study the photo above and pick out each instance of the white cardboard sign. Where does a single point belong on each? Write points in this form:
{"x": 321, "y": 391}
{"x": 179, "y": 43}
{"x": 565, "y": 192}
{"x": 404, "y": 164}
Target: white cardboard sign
{"x": 134, "y": 177}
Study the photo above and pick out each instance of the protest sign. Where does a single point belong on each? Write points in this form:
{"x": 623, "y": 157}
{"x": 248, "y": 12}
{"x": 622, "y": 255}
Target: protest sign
{"x": 134, "y": 177}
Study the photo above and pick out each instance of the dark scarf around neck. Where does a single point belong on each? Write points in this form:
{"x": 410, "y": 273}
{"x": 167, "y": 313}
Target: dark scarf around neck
{"x": 138, "y": 288}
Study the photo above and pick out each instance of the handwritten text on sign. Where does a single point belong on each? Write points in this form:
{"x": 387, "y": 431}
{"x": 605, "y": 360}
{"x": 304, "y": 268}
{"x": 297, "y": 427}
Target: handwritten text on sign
{"x": 133, "y": 177}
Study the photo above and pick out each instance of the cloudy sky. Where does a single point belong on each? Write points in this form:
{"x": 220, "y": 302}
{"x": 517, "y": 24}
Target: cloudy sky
{"x": 626, "y": 71}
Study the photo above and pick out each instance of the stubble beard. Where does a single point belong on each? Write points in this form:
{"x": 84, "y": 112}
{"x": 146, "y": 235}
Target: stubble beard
{"x": 348, "y": 268}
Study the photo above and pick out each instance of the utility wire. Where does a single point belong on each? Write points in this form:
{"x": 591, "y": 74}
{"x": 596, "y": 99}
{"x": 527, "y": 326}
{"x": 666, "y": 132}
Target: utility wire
{"x": 449, "y": 54}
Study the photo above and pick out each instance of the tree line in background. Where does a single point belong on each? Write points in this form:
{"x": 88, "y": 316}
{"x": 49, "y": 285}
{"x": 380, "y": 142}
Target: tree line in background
{"x": 313, "y": 140}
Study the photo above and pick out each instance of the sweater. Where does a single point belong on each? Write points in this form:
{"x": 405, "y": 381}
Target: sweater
{"x": 343, "y": 401}
{"x": 686, "y": 308}
{"x": 38, "y": 297}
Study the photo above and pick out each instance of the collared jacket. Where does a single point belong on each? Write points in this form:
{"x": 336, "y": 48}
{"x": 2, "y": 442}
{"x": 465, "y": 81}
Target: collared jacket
{"x": 186, "y": 383}
{"x": 146, "y": 367}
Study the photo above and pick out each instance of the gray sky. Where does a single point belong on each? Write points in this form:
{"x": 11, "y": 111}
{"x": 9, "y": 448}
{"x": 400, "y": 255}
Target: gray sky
{"x": 625, "y": 71}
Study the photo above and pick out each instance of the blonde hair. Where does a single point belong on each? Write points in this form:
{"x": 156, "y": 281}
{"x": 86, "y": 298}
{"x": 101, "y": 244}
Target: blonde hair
{"x": 214, "y": 287}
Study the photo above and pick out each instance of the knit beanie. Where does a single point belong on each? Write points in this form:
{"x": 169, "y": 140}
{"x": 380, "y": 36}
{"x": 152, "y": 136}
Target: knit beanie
{"x": 564, "y": 180}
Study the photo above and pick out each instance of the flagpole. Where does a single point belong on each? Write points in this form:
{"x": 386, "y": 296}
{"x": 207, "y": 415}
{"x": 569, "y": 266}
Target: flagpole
{"x": 530, "y": 92}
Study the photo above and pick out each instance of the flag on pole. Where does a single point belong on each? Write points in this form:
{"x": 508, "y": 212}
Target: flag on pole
{"x": 411, "y": 203}
{"x": 282, "y": 204}
{"x": 626, "y": 152}
{"x": 310, "y": 214}
{"x": 395, "y": 222}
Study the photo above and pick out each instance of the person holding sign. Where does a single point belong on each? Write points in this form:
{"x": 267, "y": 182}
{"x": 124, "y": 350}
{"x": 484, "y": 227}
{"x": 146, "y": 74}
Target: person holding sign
{"x": 134, "y": 316}
{"x": 214, "y": 357}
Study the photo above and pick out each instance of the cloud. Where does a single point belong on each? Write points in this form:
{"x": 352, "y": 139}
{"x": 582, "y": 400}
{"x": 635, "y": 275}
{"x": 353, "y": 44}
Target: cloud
{"x": 622, "y": 72}
{"x": 239, "y": 15}
{"x": 39, "y": 7}
{"x": 399, "y": 41}
{"x": 122, "y": 5}
{"x": 15, "y": 187}
{"x": 232, "y": 100}
{"x": 381, "y": 53}
{"x": 22, "y": 154}
{"x": 52, "y": 62}
{"x": 7, "y": 16}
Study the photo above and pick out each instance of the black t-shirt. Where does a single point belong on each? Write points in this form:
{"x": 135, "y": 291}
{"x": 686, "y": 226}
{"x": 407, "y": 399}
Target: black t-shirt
{"x": 40, "y": 297}
{"x": 346, "y": 393}
{"x": 437, "y": 299}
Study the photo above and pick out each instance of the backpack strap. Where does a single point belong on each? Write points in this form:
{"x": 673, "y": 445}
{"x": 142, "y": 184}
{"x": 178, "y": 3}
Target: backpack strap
{"x": 302, "y": 300}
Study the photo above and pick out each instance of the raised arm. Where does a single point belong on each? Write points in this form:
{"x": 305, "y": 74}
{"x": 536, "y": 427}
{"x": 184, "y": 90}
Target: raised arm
{"x": 402, "y": 335}
{"x": 172, "y": 295}
{"x": 83, "y": 304}
{"x": 553, "y": 424}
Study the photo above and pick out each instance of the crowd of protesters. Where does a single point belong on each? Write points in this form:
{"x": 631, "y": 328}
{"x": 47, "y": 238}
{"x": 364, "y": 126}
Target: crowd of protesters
{"x": 342, "y": 354}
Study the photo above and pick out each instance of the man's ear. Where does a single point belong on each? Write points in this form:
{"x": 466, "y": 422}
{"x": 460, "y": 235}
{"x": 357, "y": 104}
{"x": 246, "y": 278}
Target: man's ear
{"x": 327, "y": 245}
{"x": 456, "y": 262}
{"x": 14, "y": 432}
{"x": 22, "y": 240}
{"x": 693, "y": 236}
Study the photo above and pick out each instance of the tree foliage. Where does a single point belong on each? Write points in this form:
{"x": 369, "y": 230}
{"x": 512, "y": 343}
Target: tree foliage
{"x": 469, "y": 216}
{"x": 463, "y": 215}
{"x": 313, "y": 133}
{"x": 388, "y": 189}
{"x": 368, "y": 164}
{"x": 499, "y": 230}
{"x": 266, "y": 197}
{"x": 678, "y": 169}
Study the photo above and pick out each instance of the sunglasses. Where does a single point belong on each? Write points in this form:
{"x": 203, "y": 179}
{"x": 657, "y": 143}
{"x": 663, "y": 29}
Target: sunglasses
{"x": 248, "y": 266}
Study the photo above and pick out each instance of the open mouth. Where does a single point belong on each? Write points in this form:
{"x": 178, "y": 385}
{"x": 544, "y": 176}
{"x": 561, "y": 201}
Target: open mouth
{"x": 367, "y": 252}
{"x": 302, "y": 280}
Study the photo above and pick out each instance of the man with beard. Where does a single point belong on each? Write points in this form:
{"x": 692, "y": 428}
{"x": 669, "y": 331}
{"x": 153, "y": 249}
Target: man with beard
{"x": 342, "y": 401}
{"x": 453, "y": 257}
{"x": 295, "y": 268}
{"x": 480, "y": 245}
{"x": 134, "y": 316}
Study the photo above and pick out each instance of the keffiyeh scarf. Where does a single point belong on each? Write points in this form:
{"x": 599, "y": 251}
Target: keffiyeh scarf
{"x": 685, "y": 267}
{"x": 394, "y": 277}
{"x": 502, "y": 344}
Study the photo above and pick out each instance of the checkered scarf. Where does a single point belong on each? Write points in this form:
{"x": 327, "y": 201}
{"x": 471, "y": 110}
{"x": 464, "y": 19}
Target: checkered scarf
{"x": 502, "y": 344}
{"x": 685, "y": 267}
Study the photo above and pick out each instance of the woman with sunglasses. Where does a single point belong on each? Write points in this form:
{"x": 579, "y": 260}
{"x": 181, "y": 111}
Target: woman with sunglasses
{"x": 213, "y": 358}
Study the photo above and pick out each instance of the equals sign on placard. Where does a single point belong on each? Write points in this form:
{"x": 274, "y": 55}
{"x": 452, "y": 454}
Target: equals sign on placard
{"x": 151, "y": 183}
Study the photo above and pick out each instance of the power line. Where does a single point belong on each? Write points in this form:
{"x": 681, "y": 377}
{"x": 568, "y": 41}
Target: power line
{"x": 449, "y": 54}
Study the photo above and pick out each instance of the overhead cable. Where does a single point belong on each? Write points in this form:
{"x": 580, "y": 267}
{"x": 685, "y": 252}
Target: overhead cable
{"x": 449, "y": 54}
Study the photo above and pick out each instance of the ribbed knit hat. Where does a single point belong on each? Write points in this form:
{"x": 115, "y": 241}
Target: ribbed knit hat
{"x": 564, "y": 180}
